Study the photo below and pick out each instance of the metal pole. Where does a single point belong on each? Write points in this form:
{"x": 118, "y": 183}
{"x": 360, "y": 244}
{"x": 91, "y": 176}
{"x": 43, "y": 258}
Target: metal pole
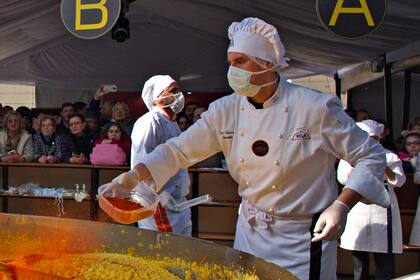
{"x": 337, "y": 86}
{"x": 406, "y": 99}
{"x": 388, "y": 95}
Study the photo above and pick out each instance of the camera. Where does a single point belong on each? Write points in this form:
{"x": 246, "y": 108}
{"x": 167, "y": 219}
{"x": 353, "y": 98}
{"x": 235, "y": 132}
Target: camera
{"x": 121, "y": 30}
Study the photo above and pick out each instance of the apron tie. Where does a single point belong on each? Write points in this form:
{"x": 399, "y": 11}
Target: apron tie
{"x": 254, "y": 215}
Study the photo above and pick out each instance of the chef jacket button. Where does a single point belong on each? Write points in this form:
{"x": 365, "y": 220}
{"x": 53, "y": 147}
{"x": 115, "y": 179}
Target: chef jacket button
{"x": 241, "y": 160}
{"x": 276, "y": 162}
{"x": 242, "y": 108}
{"x": 280, "y": 136}
{"x": 285, "y": 109}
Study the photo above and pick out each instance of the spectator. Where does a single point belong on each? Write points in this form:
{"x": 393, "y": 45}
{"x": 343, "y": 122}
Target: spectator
{"x": 81, "y": 108}
{"x": 414, "y": 124}
{"x": 197, "y": 113}
{"x": 362, "y": 115}
{"x": 15, "y": 142}
{"x": 92, "y": 124}
{"x": 189, "y": 110}
{"x": 114, "y": 134}
{"x": 67, "y": 110}
{"x": 49, "y": 147}
{"x": 101, "y": 108}
{"x": 26, "y": 115}
{"x": 183, "y": 122}
{"x": 6, "y": 109}
{"x": 121, "y": 115}
{"x": 82, "y": 140}
{"x": 411, "y": 149}
{"x": 36, "y": 122}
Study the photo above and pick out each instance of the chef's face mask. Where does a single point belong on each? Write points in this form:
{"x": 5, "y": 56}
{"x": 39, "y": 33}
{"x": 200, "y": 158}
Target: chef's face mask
{"x": 177, "y": 105}
{"x": 239, "y": 81}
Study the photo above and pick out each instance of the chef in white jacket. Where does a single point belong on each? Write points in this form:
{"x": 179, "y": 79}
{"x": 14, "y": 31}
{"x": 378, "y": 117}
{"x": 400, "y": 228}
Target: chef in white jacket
{"x": 372, "y": 228}
{"x": 164, "y": 100}
{"x": 280, "y": 142}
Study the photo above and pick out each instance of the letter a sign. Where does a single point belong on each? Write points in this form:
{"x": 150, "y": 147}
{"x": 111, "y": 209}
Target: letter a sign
{"x": 89, "y": 19}
{"x": 351, "y": 18}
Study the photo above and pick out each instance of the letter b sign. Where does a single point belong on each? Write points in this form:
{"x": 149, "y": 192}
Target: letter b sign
{"x": 89, "y": 19}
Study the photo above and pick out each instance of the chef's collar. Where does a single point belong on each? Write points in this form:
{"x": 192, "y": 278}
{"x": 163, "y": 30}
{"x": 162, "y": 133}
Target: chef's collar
{"x": 273, "y": 99}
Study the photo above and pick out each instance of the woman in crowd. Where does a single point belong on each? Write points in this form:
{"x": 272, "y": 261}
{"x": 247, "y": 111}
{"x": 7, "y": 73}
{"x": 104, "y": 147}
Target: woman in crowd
{"x": 410, "y": 150}
{"x": 372, "y": 228}
{"x": 15, "y": 142}
{"x": 49, "y": 147}
{"x": 114, "y": 134}
{"x": 92, "y": 124}
{"x": 82, "y": 140}
{"x": 121, "y": 115}
{"x": 183, "y": 122}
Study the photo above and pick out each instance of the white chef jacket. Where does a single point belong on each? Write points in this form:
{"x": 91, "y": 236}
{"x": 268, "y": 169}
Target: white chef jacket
{"x": 372, "y": 228}
{"x": 304, "y": 131}
{"x": 415, "y": 230}
{"x": 149, "y": 131}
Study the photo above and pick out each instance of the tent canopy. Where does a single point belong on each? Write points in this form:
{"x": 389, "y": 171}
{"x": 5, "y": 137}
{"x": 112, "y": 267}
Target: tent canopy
{"x": 186, "y": 39}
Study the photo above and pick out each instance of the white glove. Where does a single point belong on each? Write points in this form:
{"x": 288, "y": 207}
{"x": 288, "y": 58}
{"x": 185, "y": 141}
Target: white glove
{"x": 127, "y": 180}
{"x": 113, "y": 189}
{"x": 331, "y": 223}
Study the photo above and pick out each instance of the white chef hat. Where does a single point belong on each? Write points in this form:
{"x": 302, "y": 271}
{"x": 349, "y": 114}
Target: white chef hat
{"x": 372, "y": 127}
{"x": 255, "y": 37}
{"x": 153, "y": 87}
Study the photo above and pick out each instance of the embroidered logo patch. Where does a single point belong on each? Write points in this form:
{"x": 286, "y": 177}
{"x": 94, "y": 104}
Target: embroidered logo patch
{"x": 300, "y": 134}
{"x": 260, "y": 148}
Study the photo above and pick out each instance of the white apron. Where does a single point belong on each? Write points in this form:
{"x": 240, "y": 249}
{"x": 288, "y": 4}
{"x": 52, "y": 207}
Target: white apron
{"x": 372, "y": 228}
{"x": 285, "y": 242}
{"x": 415, "y": 230}
{"x": 149, "y": 131}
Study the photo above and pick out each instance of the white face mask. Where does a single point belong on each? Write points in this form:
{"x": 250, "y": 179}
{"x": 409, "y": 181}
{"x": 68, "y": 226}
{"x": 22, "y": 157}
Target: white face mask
{"x": 178, "y": 103}
{"x": 239, "y": 81}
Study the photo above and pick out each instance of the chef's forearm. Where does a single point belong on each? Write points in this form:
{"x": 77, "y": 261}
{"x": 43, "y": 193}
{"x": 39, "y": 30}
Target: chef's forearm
{"x": 349, "y": 197}
{"x": 142, "y": 172}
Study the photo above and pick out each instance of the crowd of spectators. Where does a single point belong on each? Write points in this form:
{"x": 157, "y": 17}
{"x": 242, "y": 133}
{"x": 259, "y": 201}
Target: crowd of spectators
{"x": 71, "y": 135}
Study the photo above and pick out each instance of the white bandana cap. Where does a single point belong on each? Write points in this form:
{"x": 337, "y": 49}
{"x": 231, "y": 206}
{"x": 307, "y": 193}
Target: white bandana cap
{"x": 372, "y": 127}
{"x": 153, "y": 87}
{"x": 255, "y": 37}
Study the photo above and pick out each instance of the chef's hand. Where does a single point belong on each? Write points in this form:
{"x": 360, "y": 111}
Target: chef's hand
{"x": 127, "y": 180}
{"x": 113, "y": 189}
{"x": 331, "y": 223}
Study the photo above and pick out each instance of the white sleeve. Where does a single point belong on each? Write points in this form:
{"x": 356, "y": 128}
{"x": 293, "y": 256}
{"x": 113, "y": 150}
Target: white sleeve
{"x": 395, "y": 164}
{"x": 344, "y": 139}
{"x": 343, "y": 171}
{"x": 146, "y": 135}
{"x": 193, "y": 145}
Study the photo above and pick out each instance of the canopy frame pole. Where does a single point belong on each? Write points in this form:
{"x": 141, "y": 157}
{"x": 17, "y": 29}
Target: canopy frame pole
{"x": 388, "y": 95}
{"x": 406, "y": 98}
{"x": 337, "y": 85}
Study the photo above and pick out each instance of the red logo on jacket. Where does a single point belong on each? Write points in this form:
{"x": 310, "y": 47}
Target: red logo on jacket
{"x": 300, "y": 134}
